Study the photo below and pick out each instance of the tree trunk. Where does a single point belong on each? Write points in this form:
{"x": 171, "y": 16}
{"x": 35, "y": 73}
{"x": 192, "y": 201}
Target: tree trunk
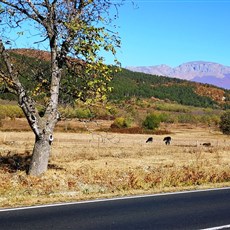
{"x": 40, "y": 157}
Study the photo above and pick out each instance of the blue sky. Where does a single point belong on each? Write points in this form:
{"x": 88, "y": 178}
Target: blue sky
{"x": 168, "y": 32}
{"x": 174, "y": 32}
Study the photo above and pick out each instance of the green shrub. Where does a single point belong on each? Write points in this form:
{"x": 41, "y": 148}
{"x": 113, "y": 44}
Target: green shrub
{"x": 11, "y": 111}
{"x": 225, "y": 123}
{"x": 83, "y": 113}
{"x": 70, "y": 112}
{"x": 121, "y": 122}
{"x": 112, "y": 110}
{"x": 152, "y": 121}
{"x": 67, "y": 112}
{"x": 164, "y": 117}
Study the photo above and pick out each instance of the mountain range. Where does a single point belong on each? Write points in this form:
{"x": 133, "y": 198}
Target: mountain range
{"x": 198, "y": 71}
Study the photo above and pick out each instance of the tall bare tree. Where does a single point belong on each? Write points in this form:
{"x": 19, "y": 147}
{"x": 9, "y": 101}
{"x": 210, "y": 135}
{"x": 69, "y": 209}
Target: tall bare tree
{"x": 74, "y": 29}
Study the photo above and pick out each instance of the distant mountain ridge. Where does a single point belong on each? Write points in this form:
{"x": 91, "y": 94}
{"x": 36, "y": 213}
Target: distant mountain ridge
{"x": 198, "y": 71}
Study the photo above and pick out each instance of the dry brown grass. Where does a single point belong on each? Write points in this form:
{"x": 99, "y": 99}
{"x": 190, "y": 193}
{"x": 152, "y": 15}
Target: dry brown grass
{"x": 92, "y": 164}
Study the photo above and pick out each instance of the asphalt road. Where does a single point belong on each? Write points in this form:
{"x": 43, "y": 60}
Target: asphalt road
{"x": 189, "y": 210}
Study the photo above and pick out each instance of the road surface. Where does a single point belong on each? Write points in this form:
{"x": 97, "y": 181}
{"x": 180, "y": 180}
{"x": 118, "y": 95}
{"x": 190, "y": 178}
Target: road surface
{"x": 184, "y": 210}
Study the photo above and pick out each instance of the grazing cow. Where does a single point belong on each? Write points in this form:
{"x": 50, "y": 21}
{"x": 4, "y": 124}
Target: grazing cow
{"x": 167, "y": 140}
{"x": 207, "y": 144}
{"x": 150, "y": 139}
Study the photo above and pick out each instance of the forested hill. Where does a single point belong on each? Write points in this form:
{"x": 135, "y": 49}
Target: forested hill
{"x": 129, "y": 84}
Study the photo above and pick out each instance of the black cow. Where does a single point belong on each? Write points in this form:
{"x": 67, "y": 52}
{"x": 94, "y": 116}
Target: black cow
{"x": 150, "y": 139}
{"x": 207, "y": 144}
{"x": 167, "y": 140}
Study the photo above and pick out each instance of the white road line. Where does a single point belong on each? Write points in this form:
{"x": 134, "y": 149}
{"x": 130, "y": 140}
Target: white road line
{"x": 112, "y": 199}
{"x": 218, "y": 228}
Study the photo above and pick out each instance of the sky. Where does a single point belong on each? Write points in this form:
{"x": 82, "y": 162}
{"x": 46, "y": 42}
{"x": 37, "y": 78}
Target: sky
{"x": 173, "y": 32}
{"x": 170, "y": 32}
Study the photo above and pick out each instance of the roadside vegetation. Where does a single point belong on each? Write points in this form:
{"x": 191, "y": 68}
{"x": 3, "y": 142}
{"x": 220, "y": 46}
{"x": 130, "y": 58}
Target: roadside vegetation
{"x": 101, "y": 152}
{"x": 100, "y": 164}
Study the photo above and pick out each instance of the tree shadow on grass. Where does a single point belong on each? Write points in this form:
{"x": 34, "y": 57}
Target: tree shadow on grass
{"x": 13, "y": 162}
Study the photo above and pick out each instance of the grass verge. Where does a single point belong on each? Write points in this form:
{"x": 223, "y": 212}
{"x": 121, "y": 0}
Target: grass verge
{"x": 94, "y": 165}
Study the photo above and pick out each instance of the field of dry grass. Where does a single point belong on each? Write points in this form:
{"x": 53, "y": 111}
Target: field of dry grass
{"x": 98, "y": 164}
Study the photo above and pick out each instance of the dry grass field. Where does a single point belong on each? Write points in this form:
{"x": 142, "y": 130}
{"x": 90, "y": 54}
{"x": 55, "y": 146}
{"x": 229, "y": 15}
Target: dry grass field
{"x": 92, "y": 164}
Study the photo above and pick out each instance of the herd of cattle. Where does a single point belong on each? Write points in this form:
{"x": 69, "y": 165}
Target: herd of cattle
{"x": 168, "y": 140}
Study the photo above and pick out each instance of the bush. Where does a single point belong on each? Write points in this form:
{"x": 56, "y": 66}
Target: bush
{"x": 11, "y": 111}
{"x": 225, "y": 123}
{"x": 70, "y": 112}
{"x": 121, "y": 122}
{"x": 83, "y": 113}
{"x": 152, "y": 121}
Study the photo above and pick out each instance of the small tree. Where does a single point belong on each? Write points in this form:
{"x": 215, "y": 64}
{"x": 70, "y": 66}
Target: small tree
{"x": 225, "y": 123}
{"x": 70, "y": 29}
{"x": 152, "y": 121}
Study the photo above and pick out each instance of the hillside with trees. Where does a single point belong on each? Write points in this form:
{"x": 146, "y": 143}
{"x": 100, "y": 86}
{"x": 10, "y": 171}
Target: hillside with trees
{"x": 128, "y": 84}
{"x": 125, "y": 84}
